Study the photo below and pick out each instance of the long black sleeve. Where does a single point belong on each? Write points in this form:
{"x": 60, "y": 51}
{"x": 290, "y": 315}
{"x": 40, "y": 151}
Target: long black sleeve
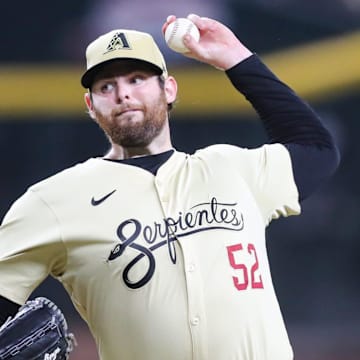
{"x": 290, "y": 121}
{"x": 7, "y": 308}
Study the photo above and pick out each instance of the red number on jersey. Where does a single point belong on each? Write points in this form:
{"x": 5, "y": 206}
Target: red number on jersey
{"x": 241, "y": 282}
{"x": 255, "y": 267}
{"x": 238, "y": 284}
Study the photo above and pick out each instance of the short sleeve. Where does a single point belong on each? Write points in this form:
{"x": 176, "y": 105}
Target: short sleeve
{"x": 274, "y": 185}
{"x": 268, "y": 173}
{"x": 30, "y": 247}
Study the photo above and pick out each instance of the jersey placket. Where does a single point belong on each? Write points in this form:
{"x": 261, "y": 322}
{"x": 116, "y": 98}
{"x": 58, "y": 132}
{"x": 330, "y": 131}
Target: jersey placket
{"x": 195, "y": 296}
{"x": 193, "y": 281}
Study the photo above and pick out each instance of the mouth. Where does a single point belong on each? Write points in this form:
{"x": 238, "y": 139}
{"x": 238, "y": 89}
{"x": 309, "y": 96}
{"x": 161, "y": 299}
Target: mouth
{"x": 126, "y": 112}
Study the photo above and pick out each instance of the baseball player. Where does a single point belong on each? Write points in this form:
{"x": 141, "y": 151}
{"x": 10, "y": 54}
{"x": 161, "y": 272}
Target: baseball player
{"x": 163, "y": 253}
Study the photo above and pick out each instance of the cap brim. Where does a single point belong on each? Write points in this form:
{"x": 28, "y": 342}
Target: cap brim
{"x": 88, "y": 78}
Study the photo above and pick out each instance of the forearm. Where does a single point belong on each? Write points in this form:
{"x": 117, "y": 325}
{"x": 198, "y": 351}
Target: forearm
{"x": 290, "y": 121}
{"x": 286, "y": 117}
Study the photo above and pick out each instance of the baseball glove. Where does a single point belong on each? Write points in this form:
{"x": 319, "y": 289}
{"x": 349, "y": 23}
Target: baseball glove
{"x": 37, "y": 332}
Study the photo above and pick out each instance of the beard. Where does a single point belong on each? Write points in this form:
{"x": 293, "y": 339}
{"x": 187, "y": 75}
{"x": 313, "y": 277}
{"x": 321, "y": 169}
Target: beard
{"x": 127, "y": 130}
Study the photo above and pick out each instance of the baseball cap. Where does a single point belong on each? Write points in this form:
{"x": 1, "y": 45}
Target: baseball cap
{"x": 121, "y": 44}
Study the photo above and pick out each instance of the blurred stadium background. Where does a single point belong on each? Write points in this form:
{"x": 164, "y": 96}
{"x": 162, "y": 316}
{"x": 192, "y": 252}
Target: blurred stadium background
{"x": 314, "y": 46}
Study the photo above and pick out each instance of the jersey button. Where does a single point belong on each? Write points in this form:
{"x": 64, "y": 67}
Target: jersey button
{"x": 191, "y": 267}
{"x": 195, "y": 321}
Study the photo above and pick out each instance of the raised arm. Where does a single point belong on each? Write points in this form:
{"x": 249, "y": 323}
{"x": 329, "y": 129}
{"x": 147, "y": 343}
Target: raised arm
{"x": 287, "y": 118}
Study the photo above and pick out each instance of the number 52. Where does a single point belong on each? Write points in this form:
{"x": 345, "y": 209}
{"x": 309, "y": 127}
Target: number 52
{"x": 255, "y": 277}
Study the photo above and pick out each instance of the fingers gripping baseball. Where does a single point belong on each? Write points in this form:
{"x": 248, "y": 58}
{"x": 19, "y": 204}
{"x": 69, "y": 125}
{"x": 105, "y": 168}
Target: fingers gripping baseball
{"x": 217, "y": 46}
{"x": 205, "y": 49}
{"x": 175, "y": 32}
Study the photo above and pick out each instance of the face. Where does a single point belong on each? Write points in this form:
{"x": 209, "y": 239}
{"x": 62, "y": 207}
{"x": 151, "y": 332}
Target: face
{"x": 129, "y": 103}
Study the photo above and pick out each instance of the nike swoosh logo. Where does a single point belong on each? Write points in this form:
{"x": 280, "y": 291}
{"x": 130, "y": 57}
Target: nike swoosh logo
{"x": 96, "y": 202}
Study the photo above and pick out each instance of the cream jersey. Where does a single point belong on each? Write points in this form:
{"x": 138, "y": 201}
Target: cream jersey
{"x": 172, "y": 266}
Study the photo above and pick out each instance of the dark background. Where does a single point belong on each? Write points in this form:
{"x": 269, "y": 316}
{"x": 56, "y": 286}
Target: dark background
{"x": 314, "y": 257}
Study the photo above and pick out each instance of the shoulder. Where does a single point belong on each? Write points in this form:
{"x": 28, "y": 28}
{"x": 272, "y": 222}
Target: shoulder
{"x": 219, "y": 151}
{"x": 57, "y": 185}
{"x": 69, "y": 176}
{"x": 227, "y": 152}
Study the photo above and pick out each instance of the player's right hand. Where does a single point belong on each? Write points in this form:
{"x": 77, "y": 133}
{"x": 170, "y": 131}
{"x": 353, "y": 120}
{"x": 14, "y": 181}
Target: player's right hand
{"x": 218, "y": 45}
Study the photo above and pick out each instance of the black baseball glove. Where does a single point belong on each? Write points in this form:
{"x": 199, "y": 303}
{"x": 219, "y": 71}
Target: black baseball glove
{"x": 37, "y": 332}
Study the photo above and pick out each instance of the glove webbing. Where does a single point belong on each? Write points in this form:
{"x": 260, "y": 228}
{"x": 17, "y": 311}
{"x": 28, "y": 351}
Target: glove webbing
{"x": 29, "y": 340}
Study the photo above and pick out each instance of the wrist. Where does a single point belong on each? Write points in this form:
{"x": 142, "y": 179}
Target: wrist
{"x": 233, "y": 58}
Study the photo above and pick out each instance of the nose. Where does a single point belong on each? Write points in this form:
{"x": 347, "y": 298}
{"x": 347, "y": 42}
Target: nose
{"x": 122, "y": 92}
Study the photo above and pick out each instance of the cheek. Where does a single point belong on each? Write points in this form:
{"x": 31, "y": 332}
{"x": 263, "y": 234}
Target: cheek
{"x": 102, "y": 107}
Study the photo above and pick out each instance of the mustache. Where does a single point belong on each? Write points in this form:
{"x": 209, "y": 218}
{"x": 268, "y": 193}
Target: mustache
{"x": 118, "y": 110}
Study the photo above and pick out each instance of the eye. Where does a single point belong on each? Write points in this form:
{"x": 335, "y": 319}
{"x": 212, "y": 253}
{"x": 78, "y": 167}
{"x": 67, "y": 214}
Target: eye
{"x": 137, "y": 79}
{"x": 107, "y": 87}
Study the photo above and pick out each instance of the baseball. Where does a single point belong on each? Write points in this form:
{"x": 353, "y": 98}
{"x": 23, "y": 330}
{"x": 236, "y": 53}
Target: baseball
{"x": 175, "y": 32}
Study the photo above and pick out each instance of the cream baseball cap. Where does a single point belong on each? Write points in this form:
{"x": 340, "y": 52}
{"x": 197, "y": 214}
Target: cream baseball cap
{"x": 121, "y": 44}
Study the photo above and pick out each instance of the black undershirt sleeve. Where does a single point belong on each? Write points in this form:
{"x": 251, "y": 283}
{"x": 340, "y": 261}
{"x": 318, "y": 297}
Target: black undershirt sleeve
{"x": 288, "y": 120}
{"x": 7, "y": 308}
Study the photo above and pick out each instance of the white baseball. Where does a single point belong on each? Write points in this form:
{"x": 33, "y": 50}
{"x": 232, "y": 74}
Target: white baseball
{"x": 177, "y": 30}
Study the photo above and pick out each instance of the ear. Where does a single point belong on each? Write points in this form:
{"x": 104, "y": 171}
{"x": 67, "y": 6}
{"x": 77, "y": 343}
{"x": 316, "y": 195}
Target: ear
{"x": 89, "y": 105}
{"x": 170, "y": 89}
